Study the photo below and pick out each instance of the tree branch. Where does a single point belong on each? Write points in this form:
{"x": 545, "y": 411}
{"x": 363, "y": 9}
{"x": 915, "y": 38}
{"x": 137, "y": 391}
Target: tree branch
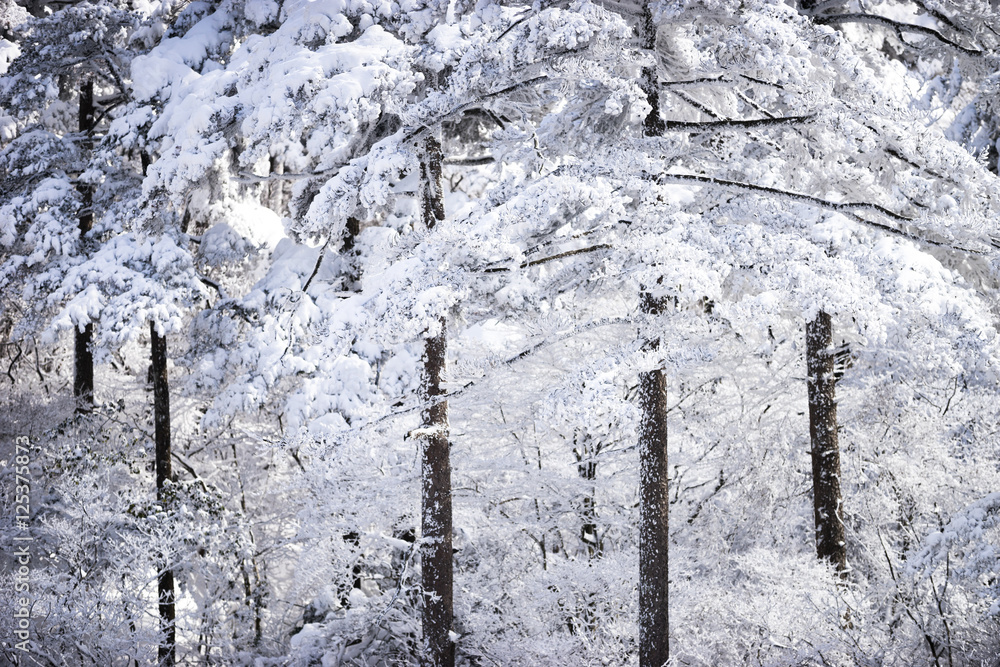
{"x": 551, "y": 258}
{"x": 214, "y": 285}
{"x": 468, "y": 161}
{"x": 605, "y": 321}
{"x": 417, "y": 131}
{"x": 850, "y": 209}
{"x": 899, "y": 27}
{"x": 719, "y": 78}
{"x": 245, "y": 178}
{"x": 695, "y": 126}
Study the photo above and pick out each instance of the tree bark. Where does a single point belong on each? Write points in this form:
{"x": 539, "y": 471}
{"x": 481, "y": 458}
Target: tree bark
{"x": 436, "y": 525}
{"x": 161, "y": 420}
{"x": 823, "y": 438}
{"x": 586, "y": 449}
{"x": 654, "y": 622}
{"x": 654, "y": 626}
{"x": 437, "y": 569}
{"x": 83, "y": 379}
{"x": 432, "y": 195}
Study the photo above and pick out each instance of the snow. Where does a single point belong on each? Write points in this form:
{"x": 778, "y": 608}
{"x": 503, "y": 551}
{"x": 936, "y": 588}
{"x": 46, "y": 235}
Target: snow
{"x": 292, "y": 404}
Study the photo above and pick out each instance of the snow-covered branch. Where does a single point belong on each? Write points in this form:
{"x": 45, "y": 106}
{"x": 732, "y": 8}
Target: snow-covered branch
{"x": 900, "y": 28}
{"x": 849, "y": 209}
{"x": 694, "y": 126}
{"x": 552, "y": 258}
{"x": 461, "y": 108}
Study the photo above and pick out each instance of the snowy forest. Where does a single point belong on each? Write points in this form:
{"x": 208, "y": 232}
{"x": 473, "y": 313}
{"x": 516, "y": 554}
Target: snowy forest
{"x": 497, "y": 332}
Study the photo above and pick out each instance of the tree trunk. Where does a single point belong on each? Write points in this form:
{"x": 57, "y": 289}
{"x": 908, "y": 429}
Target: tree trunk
{"x": 436, "y": 527}
{"x": 652, "y": 125}
{"x": 161, "y": 419}
{"x": 654, "y": 626}
{"x": 274, "y": 191}
{"x": 432, "y": 195}
{"x": 823, "y": 437}
{"x": 586, "y": 449}
{"x": 83, "y": 380}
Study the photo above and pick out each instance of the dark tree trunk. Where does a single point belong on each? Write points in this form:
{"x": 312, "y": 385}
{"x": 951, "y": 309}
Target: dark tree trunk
{"x": 653, "y": 125}
{"x": 161, "y": 420}
{"x": 588, "y": 510}
{"x": 436, "y": 527}
{"x": 654, "y": 625}
{"x": 586, "y": 449}
{"x": 432, "y": 198}
{"x": 823, "y": 437}
{"x": 83, "y": 380}
{"x": 352, "y": 278}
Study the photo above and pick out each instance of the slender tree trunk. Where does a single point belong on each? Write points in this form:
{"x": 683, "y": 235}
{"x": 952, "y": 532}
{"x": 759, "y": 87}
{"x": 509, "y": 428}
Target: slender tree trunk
{"x": 436, "y": 527}
{"x": 274, "y": 191}
{"x": 654, "y": 625}
{"x": 586, "y": 449}
{"x": 823, "y": 437}
{"x": 588, "y": 510}
{"x": 432, "y": 196}
{"x": 653, "y": 125}
{"x": 161, "y": 419}
{"x": 83, "y": 380}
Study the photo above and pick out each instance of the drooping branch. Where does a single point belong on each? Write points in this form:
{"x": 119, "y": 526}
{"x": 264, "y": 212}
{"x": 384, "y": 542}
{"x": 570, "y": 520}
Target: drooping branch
{"x": 840, "y": 207}
{"x": 849, "y": 209}
{"x": 899, "y": 27}
{"x": 936, "y": 14}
